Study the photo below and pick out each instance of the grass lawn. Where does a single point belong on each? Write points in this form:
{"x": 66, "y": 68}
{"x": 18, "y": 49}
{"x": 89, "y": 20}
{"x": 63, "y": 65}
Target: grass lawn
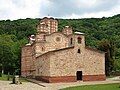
{"x": 96, "y": 87}
{"x": 5, "y": 78}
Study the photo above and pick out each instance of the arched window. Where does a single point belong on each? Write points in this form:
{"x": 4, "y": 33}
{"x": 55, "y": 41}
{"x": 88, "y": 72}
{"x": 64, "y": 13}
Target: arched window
{"x": 44, "y": 37}
{"x": 78, "y": 51}
{"x": 43, "y": 49}
{"x": 57, "y": 39}
{"x": 79, "y": 40}
{"x": 71, "y": 41}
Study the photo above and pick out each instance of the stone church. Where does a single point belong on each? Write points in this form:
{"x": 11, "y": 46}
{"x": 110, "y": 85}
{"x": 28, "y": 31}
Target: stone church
{"x": 54, "y": 56}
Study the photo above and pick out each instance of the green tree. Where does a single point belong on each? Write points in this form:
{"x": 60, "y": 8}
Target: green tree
{"x": 7, "y": 53}
{"x": 109, "y": 47}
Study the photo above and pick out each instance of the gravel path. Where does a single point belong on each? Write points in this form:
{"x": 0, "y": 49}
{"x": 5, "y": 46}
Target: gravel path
{"x": 5, "y": 85}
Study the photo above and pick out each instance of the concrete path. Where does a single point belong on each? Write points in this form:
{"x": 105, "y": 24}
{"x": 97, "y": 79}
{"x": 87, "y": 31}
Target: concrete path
{"x": 5, "y": 85}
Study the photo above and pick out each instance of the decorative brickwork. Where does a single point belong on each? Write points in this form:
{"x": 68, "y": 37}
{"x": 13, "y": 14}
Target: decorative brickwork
{"x": 48, "y": 25}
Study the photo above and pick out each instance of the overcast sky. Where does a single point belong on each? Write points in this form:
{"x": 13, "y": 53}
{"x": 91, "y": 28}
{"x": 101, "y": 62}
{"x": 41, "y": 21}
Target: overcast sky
{"x": 16, "y": 9}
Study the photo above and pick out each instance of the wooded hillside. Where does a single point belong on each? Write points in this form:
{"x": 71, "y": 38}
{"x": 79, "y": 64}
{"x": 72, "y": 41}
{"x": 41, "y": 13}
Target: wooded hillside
{"x": 102, "y": 33}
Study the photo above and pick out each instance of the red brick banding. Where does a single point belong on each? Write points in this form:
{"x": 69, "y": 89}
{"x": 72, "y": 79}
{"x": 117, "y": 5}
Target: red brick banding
{"x": 94, "y": 77}
{"x": 42, "y": 78}
{"x": 62, "y": 79}
{"x": 58, "y": 79}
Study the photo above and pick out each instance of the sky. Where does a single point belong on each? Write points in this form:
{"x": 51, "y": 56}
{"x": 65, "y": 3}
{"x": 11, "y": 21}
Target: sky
{"x": 68, "y": 9}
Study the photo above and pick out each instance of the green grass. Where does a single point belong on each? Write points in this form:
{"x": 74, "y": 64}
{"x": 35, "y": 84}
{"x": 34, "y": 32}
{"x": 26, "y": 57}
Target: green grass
{"x": 5, "y": 78}
{"x": 95, "y": 87}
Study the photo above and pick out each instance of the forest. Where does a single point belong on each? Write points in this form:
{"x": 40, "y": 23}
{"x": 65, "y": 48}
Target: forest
{"x": 101, "y": 33}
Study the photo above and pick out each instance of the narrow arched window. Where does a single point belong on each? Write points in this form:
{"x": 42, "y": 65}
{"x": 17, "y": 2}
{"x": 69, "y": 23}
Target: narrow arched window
{"x": 43, "y": 49}
{"x": 78, "y": 51}
{"x": 79, "y": 40}
{"x": 71, "y": 41}
{"x": 44, "y": 37}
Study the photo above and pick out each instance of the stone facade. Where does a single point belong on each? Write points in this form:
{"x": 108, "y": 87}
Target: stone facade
{"x": 61, "y": 56}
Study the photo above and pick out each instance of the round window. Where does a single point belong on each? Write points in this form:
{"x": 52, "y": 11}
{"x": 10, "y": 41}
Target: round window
{"x": 57, "y": 39}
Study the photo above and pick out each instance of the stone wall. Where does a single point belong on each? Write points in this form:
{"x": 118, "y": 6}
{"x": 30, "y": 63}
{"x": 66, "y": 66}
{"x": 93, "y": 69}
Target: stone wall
{"x": 62, "y": 66}
{"x": 94, "y": 62}
{"x": 53, "y": 41}
{"x": 40, "y": 48}
{"x": 42, "y": 65}
{"x": 56, "y": 41}
{"x": 61, "y": 63}
{"x": 64, "y": 63}
{"x": 54, "y": 67}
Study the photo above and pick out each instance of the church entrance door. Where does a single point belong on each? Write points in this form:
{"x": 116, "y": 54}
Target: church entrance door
{"x": 79, "y": 75}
